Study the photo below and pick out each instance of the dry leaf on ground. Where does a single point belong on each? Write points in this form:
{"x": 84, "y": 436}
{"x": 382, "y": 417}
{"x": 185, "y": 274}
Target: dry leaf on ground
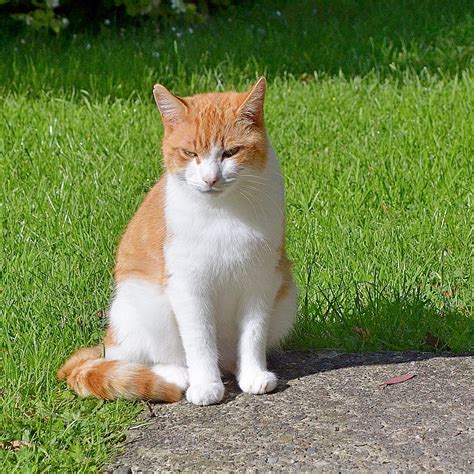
{"x": 399, "y": 379}
{"x": 15, "y": 445}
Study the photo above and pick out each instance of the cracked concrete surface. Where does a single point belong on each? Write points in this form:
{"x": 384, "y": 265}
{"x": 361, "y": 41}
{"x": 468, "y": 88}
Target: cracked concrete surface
{"x": 329, "y": 413}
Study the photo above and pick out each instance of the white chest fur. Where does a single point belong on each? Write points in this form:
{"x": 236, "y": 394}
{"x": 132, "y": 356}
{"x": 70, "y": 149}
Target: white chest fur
{"x": 212, "y": 236}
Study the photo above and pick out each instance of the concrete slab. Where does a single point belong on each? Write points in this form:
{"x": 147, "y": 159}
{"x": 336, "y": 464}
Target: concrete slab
{"x": 329, "y": 413}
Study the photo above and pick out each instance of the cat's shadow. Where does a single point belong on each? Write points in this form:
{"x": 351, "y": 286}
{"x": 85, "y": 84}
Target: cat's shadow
{"x": 291, "y": 365}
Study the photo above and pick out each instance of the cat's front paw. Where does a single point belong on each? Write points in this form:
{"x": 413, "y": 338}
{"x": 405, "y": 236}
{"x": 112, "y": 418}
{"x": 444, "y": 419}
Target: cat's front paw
{"x": 205, "y": 394}
{"x": 258, "y": 382}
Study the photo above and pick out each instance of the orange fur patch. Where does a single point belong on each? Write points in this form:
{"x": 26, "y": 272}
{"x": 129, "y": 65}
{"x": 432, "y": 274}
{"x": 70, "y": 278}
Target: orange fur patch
{"x": 109, "y": 339}
{"x": 112, "y": 379}
{"x": 284, "y": 267}
{"x": 141, "y": 250}
{"x": 97, "y": 382}
{"x": 78, "y": 358}
{"x": 91, "y": 376}
{"x": 151, "y": 387}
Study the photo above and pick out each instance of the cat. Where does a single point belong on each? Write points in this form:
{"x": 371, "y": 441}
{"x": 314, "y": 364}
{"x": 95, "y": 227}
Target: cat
{"x": 202, "y": 279}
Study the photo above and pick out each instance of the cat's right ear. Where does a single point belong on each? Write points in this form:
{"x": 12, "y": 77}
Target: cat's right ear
{"x": 172, "y": 108}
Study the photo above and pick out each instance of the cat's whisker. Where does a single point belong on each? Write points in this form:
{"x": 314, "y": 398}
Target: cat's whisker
{"x": 253, "y": 188}
{"x": 257, "y": 184}
{"x": 265, "y": 215}
{"x": 255, "y": 176}
{"x": 255, "y": 179}
{"x": 250, "y": 202}
{"x": 260, "y": 179}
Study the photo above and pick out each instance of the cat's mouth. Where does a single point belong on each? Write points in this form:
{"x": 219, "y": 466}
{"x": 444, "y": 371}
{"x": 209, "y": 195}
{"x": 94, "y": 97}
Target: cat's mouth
{"x": 220, "y": 188}
{"x": 211, "y": 190}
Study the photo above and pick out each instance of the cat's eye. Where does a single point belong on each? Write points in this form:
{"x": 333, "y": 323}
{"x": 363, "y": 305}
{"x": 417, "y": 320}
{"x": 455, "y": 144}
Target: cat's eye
{"x": 190, "y": 154}
{"x": 230, "y": 152}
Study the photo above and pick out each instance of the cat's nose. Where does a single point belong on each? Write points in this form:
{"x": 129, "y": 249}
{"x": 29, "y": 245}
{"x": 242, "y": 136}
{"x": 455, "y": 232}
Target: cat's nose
{"x": 210, "y": 180}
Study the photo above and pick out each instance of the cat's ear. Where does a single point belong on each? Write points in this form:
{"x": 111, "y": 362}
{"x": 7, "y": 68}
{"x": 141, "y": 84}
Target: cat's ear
{"x": 251, "y": 109}
{"x": 172, "y": 108}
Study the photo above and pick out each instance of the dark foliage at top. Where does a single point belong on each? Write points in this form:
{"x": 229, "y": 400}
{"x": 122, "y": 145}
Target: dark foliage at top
{"x": 56, "y": 15}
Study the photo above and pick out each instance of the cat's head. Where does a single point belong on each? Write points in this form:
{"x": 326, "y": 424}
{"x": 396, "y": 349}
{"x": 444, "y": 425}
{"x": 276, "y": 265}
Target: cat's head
{"x": 212, "y": 139}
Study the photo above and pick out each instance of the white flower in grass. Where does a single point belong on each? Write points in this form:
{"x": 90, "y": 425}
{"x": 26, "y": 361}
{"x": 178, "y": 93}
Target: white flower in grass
{"x": 178, "y": 5}
{"x": 155, "y": 54}
{"x": 107, "y": 22}
{"x": 65, "y": 22}
{"x": 52, "y": 4}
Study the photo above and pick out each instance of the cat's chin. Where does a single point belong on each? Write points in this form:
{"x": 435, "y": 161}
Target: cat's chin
{"x": 213, "y": 192}
{"x": 210, "y": 192}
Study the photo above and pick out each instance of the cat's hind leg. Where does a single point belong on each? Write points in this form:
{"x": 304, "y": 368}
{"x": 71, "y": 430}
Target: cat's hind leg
{"x": 175, "y": 374}
{"x": 283, "y": 314}
{"x": 144, "y": 330}
{"x": 142, "y": 355}
{"x": 142, "y": 326}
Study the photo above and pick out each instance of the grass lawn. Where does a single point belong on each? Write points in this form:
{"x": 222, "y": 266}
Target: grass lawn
{"x": 370, "y": 107}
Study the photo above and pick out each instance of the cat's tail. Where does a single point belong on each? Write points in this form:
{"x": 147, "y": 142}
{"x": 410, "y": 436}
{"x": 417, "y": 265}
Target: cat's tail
{"x": 90, "y": 375}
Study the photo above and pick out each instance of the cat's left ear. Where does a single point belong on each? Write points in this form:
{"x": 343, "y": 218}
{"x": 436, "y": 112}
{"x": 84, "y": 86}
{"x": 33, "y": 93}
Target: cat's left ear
{"x": 251, "y": 109}
{"x": 172, "y": 108}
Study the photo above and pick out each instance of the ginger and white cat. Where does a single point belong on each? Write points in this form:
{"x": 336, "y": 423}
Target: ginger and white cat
{"x": 202, "y": 279}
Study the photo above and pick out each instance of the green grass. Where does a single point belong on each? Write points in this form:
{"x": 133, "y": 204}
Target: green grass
{"x": 293, "y": 39}
{"x": 370, "y": 111}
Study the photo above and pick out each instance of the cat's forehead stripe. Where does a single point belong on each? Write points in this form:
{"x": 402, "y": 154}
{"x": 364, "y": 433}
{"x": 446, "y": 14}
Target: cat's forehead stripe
{"x": 212, "y": 120}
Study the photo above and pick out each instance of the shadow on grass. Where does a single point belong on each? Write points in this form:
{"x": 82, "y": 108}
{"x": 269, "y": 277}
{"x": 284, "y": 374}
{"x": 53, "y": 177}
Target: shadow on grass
{"x": 371, "y": 328}
{"x": 370, "y": 318}
{"x": 301, "y": 38}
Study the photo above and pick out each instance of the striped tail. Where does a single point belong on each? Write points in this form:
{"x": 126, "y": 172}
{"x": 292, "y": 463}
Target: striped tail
{"x": 89, "y": 375}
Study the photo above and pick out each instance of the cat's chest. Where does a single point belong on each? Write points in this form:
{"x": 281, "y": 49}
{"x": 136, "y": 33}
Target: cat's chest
{"x": 220, "y": 244}
{"x": 228, "y": 237}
